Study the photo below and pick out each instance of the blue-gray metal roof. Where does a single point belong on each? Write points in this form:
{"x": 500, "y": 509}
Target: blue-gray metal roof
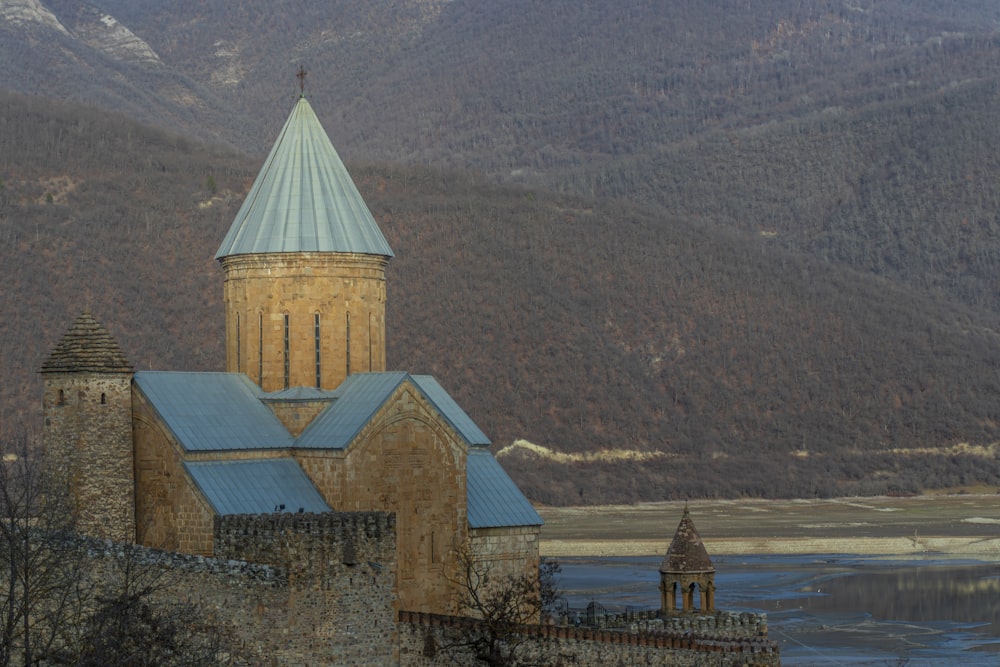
{"x": 492, "y": 498}
{"x": 256, "y": 487}
{"x": 451, "y": 410}
{"x": 358, "y": 399}
{"x": 213, "y": 411}
{"x": 361, "y": 395}
{"x": 303, "y": 199}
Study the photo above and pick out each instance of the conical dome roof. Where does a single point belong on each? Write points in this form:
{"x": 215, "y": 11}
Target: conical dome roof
{"x": 686, "y": 554}
{"x": 303, "y": 199}
{"x": 87, "y": 346}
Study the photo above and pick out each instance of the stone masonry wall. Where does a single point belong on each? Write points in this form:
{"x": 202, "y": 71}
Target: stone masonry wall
{"x": 405, "y": 461}
{"x": 296, "y": 415}
{"x": 261, "y": 289}
{"x": 341, "y": 571}
{"x": 88, "y": 442}
{"x": 425, "y": 640}
{"x": 513, "y": 549}
{"x": 170, "y": 514}
{"x": 246, "y": 602}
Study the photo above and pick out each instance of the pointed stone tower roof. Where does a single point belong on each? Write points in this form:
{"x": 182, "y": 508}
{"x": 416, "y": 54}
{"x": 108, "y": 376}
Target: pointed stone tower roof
{"x": 303, "y": 199}
{"x": 88, "y": 347}
{"x": 686, "y": 554}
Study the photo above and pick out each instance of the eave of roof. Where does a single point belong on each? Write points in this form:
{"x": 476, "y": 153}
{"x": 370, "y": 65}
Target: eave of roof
{"x": 492, "y": 498}
{"x": 259, "y": 486}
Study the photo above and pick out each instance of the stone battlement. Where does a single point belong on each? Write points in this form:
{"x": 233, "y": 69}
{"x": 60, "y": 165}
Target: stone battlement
{"x": 699, "y": 641}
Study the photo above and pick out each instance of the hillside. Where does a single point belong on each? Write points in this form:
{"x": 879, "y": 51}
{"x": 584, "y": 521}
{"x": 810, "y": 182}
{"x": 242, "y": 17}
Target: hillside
{"x": 514, "y": 89}
{"x": 859, "y": 132}
{"x": 715, "y": 361}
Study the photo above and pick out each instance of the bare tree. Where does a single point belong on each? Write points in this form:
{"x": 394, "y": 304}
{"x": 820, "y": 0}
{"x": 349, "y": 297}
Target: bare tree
{"x": 44, "y": 593}
{"x": 503, "y": 603}
{"x": 81, "y": 602}
{"x": 133, "y": 625}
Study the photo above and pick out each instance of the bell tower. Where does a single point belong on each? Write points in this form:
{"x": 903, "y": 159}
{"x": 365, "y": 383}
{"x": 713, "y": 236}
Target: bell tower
{"x": 304, "y": 265}
{"x": 687, "y": 572}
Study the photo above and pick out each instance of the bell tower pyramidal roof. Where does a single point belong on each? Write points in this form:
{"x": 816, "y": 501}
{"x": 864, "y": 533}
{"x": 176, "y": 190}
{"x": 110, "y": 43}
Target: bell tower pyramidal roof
{"x": 687, "y": 552}
{"x": 303, "y": 199}
{"x": 87, "y": 347}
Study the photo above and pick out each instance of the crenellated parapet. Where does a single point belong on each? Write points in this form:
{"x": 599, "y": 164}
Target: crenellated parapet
{"x": 311, "y": 546}
{"x": 722, "y": 640}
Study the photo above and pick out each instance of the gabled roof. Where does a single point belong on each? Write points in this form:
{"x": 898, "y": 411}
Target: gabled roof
{"x": 226, "y": 411}
{"x": 256, "y": 487}
{"x": 361, "y": 395}
{"x": 213, "y": 411}
{"x": 492, "y": 498}
{"x": 687, "y": 553}
{"x": 87, "y": 346}
{"x": 450, "y": 410}
{"x": 303, "y": 199}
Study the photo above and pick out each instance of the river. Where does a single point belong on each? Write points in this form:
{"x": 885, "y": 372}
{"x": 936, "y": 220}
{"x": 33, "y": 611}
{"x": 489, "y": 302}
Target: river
{"x": 833, "y": 609}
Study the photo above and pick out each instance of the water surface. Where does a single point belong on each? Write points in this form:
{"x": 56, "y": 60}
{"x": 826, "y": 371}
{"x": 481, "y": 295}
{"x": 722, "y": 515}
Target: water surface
{"x": 832, "y": 609}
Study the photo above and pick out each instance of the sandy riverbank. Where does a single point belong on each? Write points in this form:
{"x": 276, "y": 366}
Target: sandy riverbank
{"x": 960, "y": 526}
{"x": 978, "y": 548}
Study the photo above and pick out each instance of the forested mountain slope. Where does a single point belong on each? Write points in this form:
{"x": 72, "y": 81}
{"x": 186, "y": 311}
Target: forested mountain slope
{"x": 656, "y": 355}
{"x": 517, "y": 87}
{"x": 859, "y": 132}
{"x": 904, "y": 190}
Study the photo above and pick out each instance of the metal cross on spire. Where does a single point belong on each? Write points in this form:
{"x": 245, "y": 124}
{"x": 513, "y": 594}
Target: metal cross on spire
{"x": 302, "y": 80}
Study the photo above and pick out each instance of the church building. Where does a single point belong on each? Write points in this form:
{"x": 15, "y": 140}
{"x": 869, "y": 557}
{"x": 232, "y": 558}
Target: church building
{"x": 306, "y": 418}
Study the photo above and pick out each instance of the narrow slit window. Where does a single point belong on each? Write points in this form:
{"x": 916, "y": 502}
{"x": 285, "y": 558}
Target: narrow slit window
{"x": 104, "y": 398}
{"x": 260, "y": 349}
{"x": 348, "y": 345}
{"x": 369, "y": 342}
{"x": 316, "y": 335}
{"x": 286, "y": 351}
{"x": 238, "y": 360}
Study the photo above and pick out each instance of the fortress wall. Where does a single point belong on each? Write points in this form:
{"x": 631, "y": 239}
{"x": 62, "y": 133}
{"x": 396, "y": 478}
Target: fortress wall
{"x": 341, "y": 571}
{"x": 318, "y": 591}
{"x": 425, "y": 638}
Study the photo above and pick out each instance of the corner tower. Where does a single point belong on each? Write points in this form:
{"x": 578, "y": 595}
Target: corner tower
{"x": 304, "y": 265}
{"x": 87, "y": 436}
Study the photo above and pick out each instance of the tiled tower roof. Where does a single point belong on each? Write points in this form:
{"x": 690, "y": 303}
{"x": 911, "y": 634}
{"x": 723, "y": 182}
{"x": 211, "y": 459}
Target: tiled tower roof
{"x": 87, "y": 346}
{"x": 303, "y": 199}
{"x": 686, "y": 554}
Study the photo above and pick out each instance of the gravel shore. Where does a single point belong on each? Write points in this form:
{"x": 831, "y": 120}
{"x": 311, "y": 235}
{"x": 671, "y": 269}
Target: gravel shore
{"x": 959, "y": 525}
